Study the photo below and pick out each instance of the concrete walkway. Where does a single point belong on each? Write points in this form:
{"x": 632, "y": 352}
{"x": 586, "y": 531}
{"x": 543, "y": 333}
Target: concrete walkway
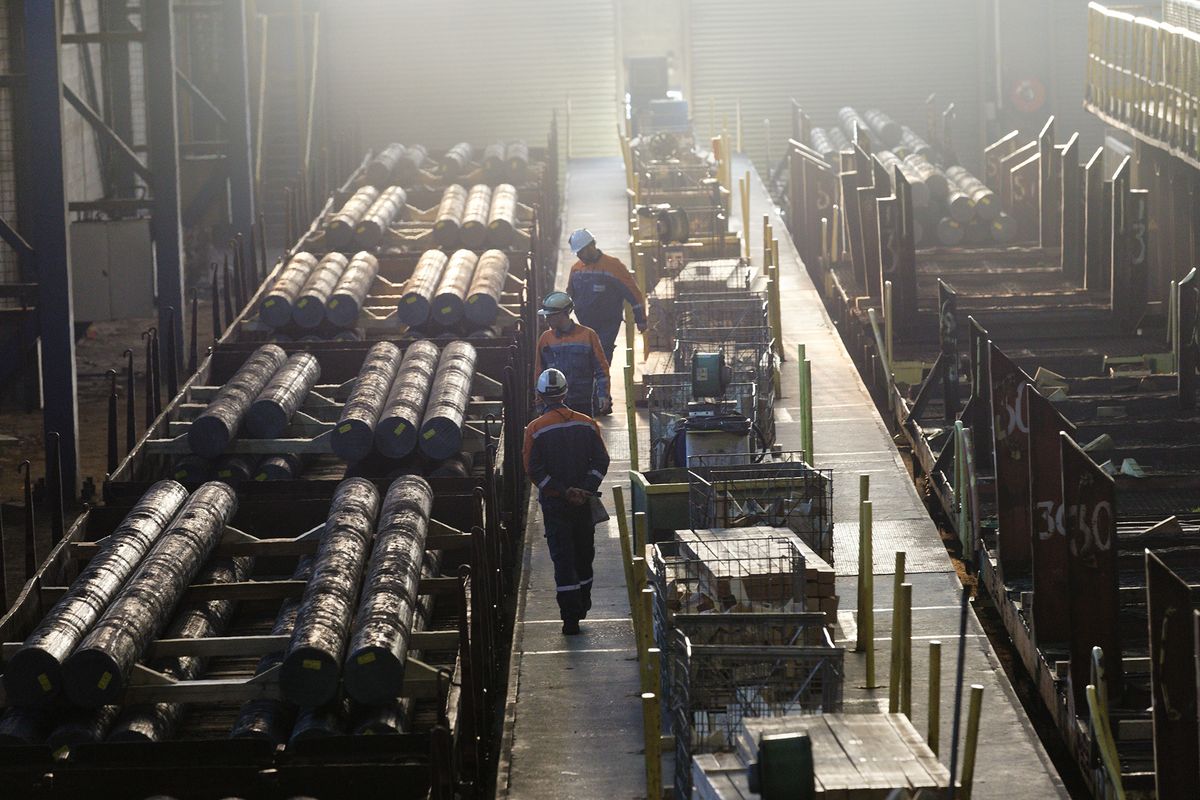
{"x": 573, "y": 727}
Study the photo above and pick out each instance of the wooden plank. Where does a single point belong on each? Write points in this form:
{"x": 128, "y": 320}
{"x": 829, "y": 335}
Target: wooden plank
{"x": 919, "y": 748}
{"x": 1172, "y": 680}
{"x": 866, "y": 744}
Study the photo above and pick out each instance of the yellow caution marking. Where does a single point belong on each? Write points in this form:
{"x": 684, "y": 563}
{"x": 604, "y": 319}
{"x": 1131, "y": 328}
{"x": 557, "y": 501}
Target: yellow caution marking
{"x": 429, "y": 434}
{"x": 344, "y": 427}
{"x": 44, "y": 682}
{"x": 311, "y": 663}
{"x": 104, "y": 681}
{"x": 401, "y": 428}
{"x": 365, "y": 658}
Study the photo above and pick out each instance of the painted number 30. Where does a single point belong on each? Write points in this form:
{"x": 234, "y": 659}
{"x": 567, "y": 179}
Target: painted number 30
{"x": 1092, "y": 532}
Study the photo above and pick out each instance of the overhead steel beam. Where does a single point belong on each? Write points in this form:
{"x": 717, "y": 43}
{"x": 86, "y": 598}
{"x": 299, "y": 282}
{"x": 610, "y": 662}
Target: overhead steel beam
{"x": 239, "y": 161}
{"x": 162, "y": 139}
{"x": 108, "y": 134}
{"x": 48, "y": 229}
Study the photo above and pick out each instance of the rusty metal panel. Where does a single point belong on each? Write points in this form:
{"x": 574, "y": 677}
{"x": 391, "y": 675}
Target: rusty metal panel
{"x": 978, "y": 343}
{"x": 1095, "y": 223}
{"x": 1049, "y": 187}
{"x": 1172, "y": 680}
{"x": 1071, "y": 198}
{"x": 1051, "y": 607}
{"x": 1188, "y": 338}
{"x": 1010, "y": 443}
{"x": 904, "y": 275}
{"x": 992, "y": 156}
{"x": 849, "y": 185}
{"x": 1024, "y": 195}
{"x": 948, "y": 339}
{"x": 1089, "y": 496}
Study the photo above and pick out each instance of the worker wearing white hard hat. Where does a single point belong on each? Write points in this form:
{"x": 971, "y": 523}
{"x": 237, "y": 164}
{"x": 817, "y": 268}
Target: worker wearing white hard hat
{"x": 566, "y": 460}
{"x": 601, "y": 285}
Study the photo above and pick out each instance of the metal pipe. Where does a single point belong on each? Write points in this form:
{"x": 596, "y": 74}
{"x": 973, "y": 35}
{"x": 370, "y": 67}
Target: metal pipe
{"x": 96, "y": 672}
{"x": 235, "y": 469}
{"x": 449, "y": 397}
{"x": 493, "y": 161}
{"x": 404, "y": 413}
{"x": 282, "y": 467}
{"x": 157, "y": 722}
{"x": 378, "y": 652}
{"x": 517, "y": 157}
{"x": 281, "y": 398}
{"x": 210, "y": 433}
{"x": 309, "y": 309}
{"x": 309, "y": 675}
{"x": 382, "y": 213}
{"x": 474, "y": 225}
{"x": 457, "y": 160}
{"x": 891, "y": 162}
{"x": 934, "y": 711}
{"x": 449, "y": 302}
{"x": 33, "y": 675}
{"x": 339, "y": 232}
{"x": 417, "y": 299}
{"x": 382, "y": 167}
{"x": 983, "y": 200}
{"x": 191, "y": 470}
{"x": 851, "y": 123}
{"x": 353, "y": 435}
{"x": 346, "y": 301}
{"x": 447, "y": 224}
{"x": 889, "y": 132}
{"x": 911, "y": 143}
{"x": 275, "y": 310}
{"x": 487, "y": 288}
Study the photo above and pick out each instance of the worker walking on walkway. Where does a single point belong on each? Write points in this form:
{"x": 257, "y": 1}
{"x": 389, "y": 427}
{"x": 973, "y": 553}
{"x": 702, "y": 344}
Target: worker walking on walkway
{"x": 566, "y": 459}
{"x": 601, "y": 285}
{"x": 575, "y": 351}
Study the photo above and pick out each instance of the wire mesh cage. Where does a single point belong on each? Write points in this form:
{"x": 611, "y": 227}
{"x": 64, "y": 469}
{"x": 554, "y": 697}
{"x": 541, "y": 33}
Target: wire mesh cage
{"x": 714, "y": 687}
{"x": 743, "y": 310}
{"x": 667, "y": 398}
{"x": 782, "y": 492}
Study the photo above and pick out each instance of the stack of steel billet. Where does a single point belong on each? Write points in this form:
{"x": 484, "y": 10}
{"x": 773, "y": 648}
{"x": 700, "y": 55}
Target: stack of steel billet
{"x": 476, "y": 218}
{"x": 311, "y": 296}
{"x": 395, "y": 164}
{"x": 98, "y": 670}
{"x": 34, "y": 675}
{"x": 444, "y": 291}
{"x": 383, "y": 212}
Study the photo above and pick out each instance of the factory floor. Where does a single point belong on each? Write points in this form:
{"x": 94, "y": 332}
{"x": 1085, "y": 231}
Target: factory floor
{"x": 573, "y": 726}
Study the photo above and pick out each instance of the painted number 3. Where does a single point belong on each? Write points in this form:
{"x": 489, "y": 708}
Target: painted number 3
{"x": 1092, "y": 534}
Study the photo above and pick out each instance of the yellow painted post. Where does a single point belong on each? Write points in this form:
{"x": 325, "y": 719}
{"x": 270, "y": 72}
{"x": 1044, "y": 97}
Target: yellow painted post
{"x": 825, "y": 241}
{"x": 626, "y": 543}
{"x": 638, "y": 567}
{"x": 631, "y": 411}
{"x": 802, "y": 391}
{"x": 807, "y": 401}
{"x": 864, "y": 497}
{"x": 766, "y": 237}
{"x": 866, "y": 611}
{"x": 933, "y": 729}
{"x": 897, "y": 634}
{"x": 906, "y": 651}
{"x": 746, "y": 214}
{"x": 835, "y": 246}
{"x": 630, "y": 335}
{"x": 652, "y": 724}
{"x": 968, "y": 770}
{"x": 640, "y": 533}
{"x": 646, "y": 645}
{"x": 889, "y": 326}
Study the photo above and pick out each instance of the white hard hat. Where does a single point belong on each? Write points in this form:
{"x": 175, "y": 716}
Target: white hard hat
{"x": 552, "y": 383}
{"x": 581, "y": 239}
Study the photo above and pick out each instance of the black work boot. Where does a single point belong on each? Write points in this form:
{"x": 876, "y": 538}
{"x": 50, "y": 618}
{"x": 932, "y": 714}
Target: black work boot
{"x": 571, "y": 627}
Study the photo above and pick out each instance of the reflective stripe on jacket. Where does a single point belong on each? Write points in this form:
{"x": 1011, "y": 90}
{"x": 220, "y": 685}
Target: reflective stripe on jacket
{"x": 579, "y": 355}
{"x": 563, "y": 449}
{"x": 601, "y": 289}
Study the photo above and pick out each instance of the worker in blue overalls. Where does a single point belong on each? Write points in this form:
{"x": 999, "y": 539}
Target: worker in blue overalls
{"x": 601, "y": 285}
{"x": 574, "y": 350}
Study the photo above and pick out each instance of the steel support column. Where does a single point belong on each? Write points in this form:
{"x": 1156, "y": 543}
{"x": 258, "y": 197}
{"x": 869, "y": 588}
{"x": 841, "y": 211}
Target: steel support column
{"x": 238, "y": 161}
{"x": 116, "y": 78}
{"x": 47, "y": 227}
{"x": 162, "y": 140}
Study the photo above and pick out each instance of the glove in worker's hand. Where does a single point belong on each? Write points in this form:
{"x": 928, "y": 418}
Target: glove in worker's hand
{"x": 641, "y": 327}
{"x": 576, "y": 496}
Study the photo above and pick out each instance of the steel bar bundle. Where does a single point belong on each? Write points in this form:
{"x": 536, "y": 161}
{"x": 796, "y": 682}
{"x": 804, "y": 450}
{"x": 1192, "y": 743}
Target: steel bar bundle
{"x": 355, "y": 430}
{"x": 381, "y": 168}
{"x": 309, "y": 309}
{"x": 33, "y": 675}
{"x": 234, "y": 468}
{"x": 417, "y": 299}
{"x": 378, "y": 652}
{"x": 850, "y": 120}
{"x": 502, "y": 217}
{"x": 493, "y": 161}
{"x": 934, "y": 178}
{"x": 282, "y": 467}
{"x": 487, "y": 287}
{"x": 475, "y": 218}
{"x": 449, "y": 302}
{"x": 887, "y": 130}
{"x": 517, "y": 156}
{"x": 276, "y": 307}
{"x": 838, "y": 140}
{"x": 272, "y": 410}
{"x": 958, "y": 205}
{"x": 382, "y": 213}
{"x": 409, "y": 168}
{"x": 447, "y": 225}
{"x": 341, "y": 228}
{"x": 820, "y": 141}
{"x": 157, "y": 722}
{"x": 912, "y": 144}
{"x": 983, "y": 199}
{"x": 402, "y": 416}
{"x": 191, "y": 470}
{"x": 890, "y": 161}
{"x": 346, "y": 301}
{"x": 441, "y": 431}
{"x": 457, "y": 160}
{"x": 271, "y": 719}
{"x": 96, "y": 673}
{"x": 309, "y": 676}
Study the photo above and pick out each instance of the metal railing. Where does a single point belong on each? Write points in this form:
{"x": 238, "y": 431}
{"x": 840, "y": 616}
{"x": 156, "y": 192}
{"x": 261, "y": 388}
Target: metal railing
{"x": 1144, "y": 75}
